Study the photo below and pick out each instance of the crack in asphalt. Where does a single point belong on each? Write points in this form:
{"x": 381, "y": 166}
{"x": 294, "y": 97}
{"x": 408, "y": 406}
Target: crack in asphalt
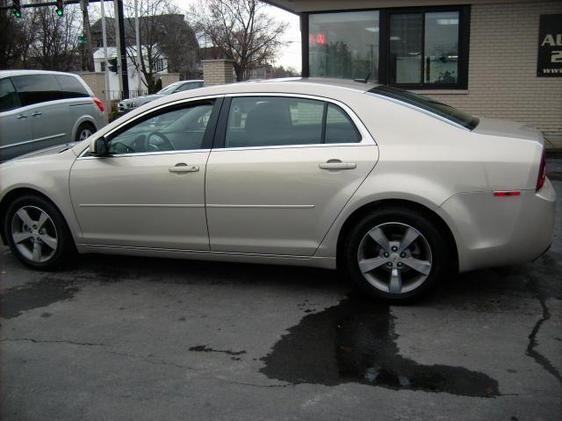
{"x": 49, "y": 341}
{"x": 540, "y": 359}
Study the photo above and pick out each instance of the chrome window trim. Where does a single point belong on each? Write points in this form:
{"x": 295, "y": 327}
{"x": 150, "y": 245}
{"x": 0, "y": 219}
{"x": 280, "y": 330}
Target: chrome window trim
{"x": 121, "y": 155}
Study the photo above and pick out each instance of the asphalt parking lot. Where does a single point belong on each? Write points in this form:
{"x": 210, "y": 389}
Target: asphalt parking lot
{"x": 119, "y": 338}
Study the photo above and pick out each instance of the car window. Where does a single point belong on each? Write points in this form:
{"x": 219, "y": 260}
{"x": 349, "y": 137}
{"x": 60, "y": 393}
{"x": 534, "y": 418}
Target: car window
{"x": 34, "y": 89}
{"x": 176, "y": 129}
{"x": 339, "y": 127}
{"x": 270, "y": 121}
{"x": 71, "y": 87}
{"x": 9, "y": 99}
{"x": 188, "y": 86}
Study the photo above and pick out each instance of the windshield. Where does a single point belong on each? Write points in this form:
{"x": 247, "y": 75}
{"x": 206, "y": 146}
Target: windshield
{"x": 428, "y": 104}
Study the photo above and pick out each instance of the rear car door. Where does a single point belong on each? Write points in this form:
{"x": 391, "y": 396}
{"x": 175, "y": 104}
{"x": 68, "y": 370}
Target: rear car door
{"x": 15, "y": 131}
{"x": 150, "y": 191}
{"x": 46, "y": 107}
{"x": 283, "y": 168}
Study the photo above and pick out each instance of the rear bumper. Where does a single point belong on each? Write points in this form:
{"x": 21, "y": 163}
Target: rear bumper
{"x": 497, "y": 231}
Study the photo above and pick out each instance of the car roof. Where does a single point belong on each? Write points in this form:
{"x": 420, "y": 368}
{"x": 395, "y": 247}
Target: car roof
{"x": 311, "y": 86}
{"x": 10, "y": 73}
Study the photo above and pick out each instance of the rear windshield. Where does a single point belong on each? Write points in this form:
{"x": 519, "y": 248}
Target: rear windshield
{"x": 428, "y": 104}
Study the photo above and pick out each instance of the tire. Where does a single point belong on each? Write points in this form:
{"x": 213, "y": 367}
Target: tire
{"x": 25, "y": 226}
{"x": 392, "y": 269}
{"x": 84, "y": 131}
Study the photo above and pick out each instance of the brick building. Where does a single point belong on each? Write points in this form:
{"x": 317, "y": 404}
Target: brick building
{"x": 498, "y": 58}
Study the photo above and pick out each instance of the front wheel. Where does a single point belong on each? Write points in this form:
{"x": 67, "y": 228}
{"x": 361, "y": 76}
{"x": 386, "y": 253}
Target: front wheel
{"x": 37, "y": 233}
{"x": 396, "y": 254}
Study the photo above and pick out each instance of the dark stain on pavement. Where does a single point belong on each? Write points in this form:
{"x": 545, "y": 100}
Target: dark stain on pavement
{"x": 205, "y": 348}
{"x": 355, "y": 341}
{"x": 14, "y": 301}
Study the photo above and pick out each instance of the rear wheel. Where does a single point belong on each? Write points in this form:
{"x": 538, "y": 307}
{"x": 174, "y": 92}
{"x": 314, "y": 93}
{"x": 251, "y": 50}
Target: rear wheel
{"x": 85, "y": 130}
{"x": 37, "y": 233}
{"x": 396, "y": 254}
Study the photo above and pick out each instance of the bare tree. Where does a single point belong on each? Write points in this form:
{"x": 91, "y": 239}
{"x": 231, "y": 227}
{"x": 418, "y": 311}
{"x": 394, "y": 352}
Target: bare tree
{"x": 16, "y": 37}
{"x": 241, "y": 30}
{"x": 168, "y": 43}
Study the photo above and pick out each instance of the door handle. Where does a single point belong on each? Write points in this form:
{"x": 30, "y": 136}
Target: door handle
{"x": 336, "y": 164}
{"x": 36, "y": 113}
{"x": 21, "y": 116}
{"x": 183, "y": 167}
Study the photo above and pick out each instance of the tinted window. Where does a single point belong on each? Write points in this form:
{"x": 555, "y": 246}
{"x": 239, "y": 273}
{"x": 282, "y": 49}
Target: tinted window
{"x": 178, "y": 129}
{"x": 428, "y": 104}
{"x": 71, "y": 87}
{"x": 34, "y": 89}
{"x": 269, "y": 121}
{"x": 8, "y": 97}
{"x": 339, "y": 127}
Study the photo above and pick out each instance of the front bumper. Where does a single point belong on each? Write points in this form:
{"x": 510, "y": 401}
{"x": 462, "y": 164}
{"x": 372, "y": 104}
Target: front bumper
{"x": 497, "y": 231}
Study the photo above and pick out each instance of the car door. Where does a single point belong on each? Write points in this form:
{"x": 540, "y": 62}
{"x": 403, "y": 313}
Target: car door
{"x": 15, "y": 132}
{"x": 46, "y": 108}
{"x": 150, "y": 191}
{"x": 285, "y": 167}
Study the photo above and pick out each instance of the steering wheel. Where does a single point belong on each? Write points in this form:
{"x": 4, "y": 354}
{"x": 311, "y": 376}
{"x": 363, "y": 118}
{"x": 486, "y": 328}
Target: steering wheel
{"x": 163, "y": 144}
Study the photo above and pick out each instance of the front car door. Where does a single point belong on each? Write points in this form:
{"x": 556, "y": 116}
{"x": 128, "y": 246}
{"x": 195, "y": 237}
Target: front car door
{"x": 15, "y": 131}
{"x": 150, "y": 191}
{"x": 284, "y": 168}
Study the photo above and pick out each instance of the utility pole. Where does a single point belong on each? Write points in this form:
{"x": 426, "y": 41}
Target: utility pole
{"x": 121, "y": 47}
{"x": 89, "y": 62}
{"x": 139, "y": 51}
{"x": 106, "y": 61}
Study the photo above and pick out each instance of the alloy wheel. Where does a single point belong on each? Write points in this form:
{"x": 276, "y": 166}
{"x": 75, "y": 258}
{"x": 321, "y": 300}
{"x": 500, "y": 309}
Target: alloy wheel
{"x": 84, "y": 134}
{"x": 34, "y": 234}
{"x": 394, "y": 257}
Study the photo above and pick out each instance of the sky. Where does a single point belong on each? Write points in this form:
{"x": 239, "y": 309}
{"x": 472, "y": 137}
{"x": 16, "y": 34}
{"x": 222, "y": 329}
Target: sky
{"x": 288, "y": 56}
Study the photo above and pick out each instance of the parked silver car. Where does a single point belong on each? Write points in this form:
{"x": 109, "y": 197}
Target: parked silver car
{"x": 396, "y": 190}
{"x": 185, "y": 85}
{"x": 39, "y": 109}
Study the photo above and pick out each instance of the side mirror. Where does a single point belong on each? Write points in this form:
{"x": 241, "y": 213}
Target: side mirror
{"x": 99, "y": 147}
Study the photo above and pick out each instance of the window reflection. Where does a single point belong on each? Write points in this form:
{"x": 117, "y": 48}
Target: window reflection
{"x": 441, "y": 47}
{"x": 344, "y": 45}
{"x": 406, "y": 47}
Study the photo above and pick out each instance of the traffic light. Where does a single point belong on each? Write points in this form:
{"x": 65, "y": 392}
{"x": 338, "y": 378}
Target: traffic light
{"x": 82, "y": 39}
{"x": 16, "y": 8}
{"x": 60, "y": 8}
{"x": 112, "y": 65}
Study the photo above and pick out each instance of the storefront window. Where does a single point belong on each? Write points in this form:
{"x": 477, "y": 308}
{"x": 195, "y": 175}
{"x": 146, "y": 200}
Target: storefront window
{"x": 416, "y": 47}
{"x": 424, "y": 47}
{"x": 344, "y": 45}
{"x": 406, "y": 48}
{"x": 441, "y": 47}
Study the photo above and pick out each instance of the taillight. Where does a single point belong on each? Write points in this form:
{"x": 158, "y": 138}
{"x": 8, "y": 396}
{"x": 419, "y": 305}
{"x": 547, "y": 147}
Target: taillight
{"x": 99, "y": 103}
{"x": 542, "y": 173}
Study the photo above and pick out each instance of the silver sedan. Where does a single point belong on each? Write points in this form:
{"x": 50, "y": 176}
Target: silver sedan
{"x": 394, "y": 189}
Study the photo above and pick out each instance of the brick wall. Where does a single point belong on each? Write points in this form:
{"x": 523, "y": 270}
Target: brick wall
{"x": 218, "y": 72}
{"x": 96, "y": 82}
{"x": 502, "y": 78}
{"x": 169, "y": 78}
